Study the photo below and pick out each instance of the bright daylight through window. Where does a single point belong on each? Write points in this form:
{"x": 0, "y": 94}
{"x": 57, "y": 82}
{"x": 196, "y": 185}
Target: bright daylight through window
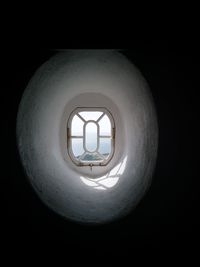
{"x": 90, "y": 136}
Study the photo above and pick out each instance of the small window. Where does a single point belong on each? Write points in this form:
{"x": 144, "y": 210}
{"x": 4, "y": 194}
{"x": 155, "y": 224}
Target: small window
{"x": 90, "y": 136}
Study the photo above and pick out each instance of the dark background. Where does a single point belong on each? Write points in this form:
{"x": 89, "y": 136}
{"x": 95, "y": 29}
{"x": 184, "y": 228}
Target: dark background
{"x": 166, "y": 220}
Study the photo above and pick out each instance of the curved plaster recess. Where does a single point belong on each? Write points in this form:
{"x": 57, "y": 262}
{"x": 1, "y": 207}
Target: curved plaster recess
{"x": 88, "y": 78}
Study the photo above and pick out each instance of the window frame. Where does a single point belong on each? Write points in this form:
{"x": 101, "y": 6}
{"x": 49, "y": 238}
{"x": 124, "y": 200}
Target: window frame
{"x": 104, "y": 161}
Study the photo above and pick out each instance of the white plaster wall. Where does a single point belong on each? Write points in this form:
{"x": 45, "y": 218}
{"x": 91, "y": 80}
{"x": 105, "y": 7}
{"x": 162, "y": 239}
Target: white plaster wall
{"x": 90, "y": 78}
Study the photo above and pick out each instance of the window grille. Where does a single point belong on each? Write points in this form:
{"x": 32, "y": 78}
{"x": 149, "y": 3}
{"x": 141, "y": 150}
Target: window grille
{"x": 90, "y": 136}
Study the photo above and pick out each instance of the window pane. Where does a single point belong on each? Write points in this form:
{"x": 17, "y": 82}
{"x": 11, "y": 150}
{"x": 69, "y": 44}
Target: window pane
{"x": 91, "y": 136}
{"x": 105, "y": 126}
{"x": 90, "y": 115}
{"x": 105, "y": 146}
{"x": 91, "y": 157}
{"x": 77, "y": 147}
{"x": 77, "y": 126}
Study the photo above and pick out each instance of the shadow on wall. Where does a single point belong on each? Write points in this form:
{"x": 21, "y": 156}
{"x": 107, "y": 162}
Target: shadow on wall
{"x": 107, "y": 181}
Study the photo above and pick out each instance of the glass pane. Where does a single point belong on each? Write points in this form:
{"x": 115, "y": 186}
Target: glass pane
{"x": 105, "y": 146}
{"x": 91, "y": 157}
{"x": 105, "y": 126}
{"x": 77, "y": 126}
{"x": 91, "y": 136}
{"x": 77, "y": 147}
{"x": 90, "y": 115}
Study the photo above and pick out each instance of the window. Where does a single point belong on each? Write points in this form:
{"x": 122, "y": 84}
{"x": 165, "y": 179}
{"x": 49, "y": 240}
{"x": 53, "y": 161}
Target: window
{"x": 90, "y": 136}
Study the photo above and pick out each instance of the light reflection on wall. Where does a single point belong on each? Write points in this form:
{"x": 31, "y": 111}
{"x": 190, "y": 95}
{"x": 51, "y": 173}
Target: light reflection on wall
{"x": 107, "y": 181}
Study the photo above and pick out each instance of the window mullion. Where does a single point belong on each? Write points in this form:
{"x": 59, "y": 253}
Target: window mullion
{"x": 100, "y": 117}
{"x": 97, "y": 137}
{"x": 84, "y": 147}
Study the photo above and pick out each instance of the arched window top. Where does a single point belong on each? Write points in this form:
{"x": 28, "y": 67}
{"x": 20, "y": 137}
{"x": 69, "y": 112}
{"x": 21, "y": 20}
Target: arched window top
{"x": 90, "y": 136}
